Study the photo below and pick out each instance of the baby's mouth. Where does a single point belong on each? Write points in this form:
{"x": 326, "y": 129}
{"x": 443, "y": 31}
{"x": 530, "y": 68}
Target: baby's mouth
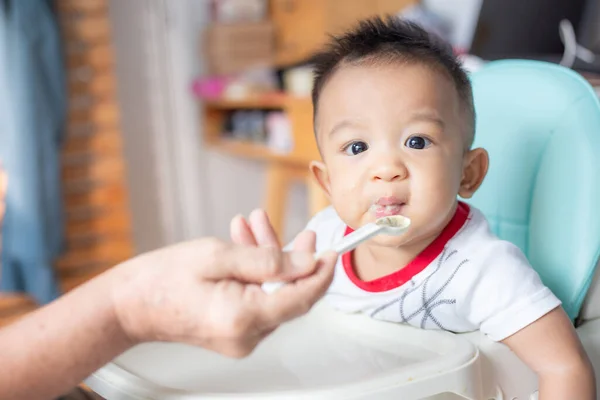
{"x": 387, "y": 206}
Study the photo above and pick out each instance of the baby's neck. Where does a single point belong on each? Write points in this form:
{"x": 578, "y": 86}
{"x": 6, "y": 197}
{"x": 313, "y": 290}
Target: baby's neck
{"x": 372, "y": 262}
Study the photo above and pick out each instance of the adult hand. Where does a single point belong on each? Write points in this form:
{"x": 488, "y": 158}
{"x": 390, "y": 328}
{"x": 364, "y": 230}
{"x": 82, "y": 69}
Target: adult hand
{"x": 258, "y": 231}
{"x": 207, "y": 293}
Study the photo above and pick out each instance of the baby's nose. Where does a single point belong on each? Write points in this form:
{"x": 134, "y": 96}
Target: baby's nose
{"x": 389, "y": 171}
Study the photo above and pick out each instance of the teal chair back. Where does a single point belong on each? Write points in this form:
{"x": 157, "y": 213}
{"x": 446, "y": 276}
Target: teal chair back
{"x": 540, "y": 124}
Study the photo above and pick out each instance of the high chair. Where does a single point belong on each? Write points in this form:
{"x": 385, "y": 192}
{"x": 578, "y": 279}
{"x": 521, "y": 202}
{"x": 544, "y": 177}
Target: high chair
{"x": 541, "y": 125}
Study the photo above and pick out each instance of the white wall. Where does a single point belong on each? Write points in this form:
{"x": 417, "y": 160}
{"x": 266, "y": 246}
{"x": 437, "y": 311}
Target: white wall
{"x": 134, "y": 98}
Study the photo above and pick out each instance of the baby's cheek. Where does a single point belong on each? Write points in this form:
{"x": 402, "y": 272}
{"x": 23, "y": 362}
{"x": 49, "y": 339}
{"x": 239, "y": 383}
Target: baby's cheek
{"x": 441, "y": 177}
{"x": 343, "y": 185}
{"x": 431, "y": 196}
{"x": 346, "y": 199}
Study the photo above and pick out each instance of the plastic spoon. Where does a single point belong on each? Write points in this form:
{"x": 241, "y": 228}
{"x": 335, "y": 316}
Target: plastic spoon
{"x": 394, "y": 225}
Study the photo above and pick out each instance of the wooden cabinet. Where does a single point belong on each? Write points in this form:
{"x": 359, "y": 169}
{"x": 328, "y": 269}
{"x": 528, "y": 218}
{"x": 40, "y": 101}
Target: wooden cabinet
{"x": 283, "y": 169}
{"x": 298, "y": 28}
{"x": 298, "y": 110}
{"x": 303, "y": 26}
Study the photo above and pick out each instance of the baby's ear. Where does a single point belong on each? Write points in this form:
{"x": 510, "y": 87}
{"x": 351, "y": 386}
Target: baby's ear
{"x": 475, "y": 166}
{"x": 321, "y": 175}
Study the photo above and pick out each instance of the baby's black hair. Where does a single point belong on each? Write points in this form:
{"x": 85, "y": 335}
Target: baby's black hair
{"x": 389, "y": 40}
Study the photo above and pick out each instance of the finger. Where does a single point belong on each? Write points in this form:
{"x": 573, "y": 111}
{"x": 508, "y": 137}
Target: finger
{"x": 305, "y": 241}
{"x": 252, "y": 264}
{"x": 263, "y": 230}
{"x": 240, "y": 232}
{"x": 296, "y": 299}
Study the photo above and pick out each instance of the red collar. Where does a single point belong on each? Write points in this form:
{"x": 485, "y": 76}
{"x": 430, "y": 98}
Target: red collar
{"x": 418, "y": 264}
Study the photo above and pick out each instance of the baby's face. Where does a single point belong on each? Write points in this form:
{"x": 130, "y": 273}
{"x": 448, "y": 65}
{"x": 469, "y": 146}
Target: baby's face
{"x": 392, "y": 140}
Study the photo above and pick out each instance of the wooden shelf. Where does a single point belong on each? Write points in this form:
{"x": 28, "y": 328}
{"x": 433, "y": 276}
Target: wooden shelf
{"x": 254, "y": 151}
{"x": 272, "y": 101}
{"x": 243, "y": 149}
{"x": 298, "y": 110}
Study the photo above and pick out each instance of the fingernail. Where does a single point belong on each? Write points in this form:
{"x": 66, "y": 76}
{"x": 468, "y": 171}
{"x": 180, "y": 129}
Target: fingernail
{"x": 301, "y": 261}
{"x": 257, "y": 211}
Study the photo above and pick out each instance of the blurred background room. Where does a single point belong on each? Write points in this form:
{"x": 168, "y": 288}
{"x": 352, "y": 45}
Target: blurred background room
{"x": 127, "y": 125}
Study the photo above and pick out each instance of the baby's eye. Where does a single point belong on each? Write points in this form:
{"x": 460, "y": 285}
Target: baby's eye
{"x": 355, "y": 148}
{"x": 417, "y": 142}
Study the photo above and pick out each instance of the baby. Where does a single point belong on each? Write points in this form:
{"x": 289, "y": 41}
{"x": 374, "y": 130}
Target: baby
{"x": 394, "y": 121}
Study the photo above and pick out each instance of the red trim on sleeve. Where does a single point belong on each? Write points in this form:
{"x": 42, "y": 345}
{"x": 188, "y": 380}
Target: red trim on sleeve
{"x": 418, "y": 264}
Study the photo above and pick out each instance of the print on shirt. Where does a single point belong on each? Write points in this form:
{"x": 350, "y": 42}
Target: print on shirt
{"x": 429, "y": 301}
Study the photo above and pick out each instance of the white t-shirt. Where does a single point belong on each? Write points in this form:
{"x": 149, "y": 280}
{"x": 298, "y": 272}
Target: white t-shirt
{"x": 467, "y": 279}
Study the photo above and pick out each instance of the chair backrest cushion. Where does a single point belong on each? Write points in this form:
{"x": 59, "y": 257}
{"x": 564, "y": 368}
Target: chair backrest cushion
{"x": 540, "y": 124}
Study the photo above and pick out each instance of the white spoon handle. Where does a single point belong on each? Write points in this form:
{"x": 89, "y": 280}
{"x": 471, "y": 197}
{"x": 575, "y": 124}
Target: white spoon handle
{"x": 348, "y": 243}
{"x": 352, "y": 240}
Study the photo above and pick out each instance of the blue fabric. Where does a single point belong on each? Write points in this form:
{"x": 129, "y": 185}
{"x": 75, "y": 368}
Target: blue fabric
{"x": 32, "y": 116}
{"x": 541, "y": 126}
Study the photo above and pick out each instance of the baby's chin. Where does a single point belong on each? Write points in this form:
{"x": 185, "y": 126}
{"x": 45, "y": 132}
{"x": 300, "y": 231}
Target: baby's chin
{"x": 389, "y": 241}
